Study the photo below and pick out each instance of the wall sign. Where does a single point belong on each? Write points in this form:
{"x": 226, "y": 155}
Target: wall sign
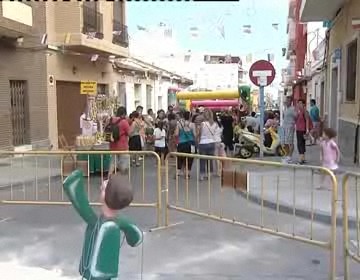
{"x": 88, "y": 87}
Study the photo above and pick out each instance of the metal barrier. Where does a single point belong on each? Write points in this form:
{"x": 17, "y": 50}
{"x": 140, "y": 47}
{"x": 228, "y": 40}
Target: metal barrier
{"x": 214, "y": 198}
{"x": 353, "y": 254}
{"x": 35, "y": 177}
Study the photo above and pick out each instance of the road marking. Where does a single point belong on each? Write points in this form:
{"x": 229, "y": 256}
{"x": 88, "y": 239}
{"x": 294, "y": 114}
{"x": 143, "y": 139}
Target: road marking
{"x": 5, "y": 219}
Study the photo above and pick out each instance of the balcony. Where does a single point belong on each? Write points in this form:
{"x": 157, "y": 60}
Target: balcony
{"x": 319, "y": 10}
{"x": 292, "y": 8}
{"x": 291, "y": 30}
{"x": 92, "y": 23}
{"x": 120, "y": 35}
{"x": 86, "y": 30}
{"x": 16, "y": 19}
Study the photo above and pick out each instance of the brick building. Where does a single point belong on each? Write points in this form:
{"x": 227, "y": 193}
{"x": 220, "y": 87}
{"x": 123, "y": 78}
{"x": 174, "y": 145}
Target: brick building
{"x": 47, "y": 49}
{"x": 297, "y": 47}
{"x": 342, "y": 83}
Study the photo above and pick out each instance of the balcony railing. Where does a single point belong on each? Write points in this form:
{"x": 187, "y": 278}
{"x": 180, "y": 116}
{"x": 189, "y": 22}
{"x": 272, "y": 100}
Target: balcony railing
{"x": 120, "y": 34}
{"x": 92, "y": 22}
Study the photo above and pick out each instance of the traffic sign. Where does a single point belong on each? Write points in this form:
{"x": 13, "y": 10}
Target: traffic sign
{"x": 262, "y": 73}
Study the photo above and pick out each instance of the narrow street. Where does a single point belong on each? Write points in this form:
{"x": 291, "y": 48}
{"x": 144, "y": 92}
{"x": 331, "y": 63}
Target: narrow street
{"x": 48, "y": 236}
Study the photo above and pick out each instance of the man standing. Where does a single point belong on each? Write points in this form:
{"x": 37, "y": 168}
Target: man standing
{"x": 289, "y": 129}
{"x": 315, "y": 119}
{"x": 253, "y": 122}
{"x": 302, "y": 129}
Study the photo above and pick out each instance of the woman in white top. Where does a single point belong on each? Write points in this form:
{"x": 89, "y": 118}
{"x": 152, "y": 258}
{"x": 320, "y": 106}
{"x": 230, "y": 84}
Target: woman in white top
{"x": 207, "y": 138}
{"x": 160, "y": 140}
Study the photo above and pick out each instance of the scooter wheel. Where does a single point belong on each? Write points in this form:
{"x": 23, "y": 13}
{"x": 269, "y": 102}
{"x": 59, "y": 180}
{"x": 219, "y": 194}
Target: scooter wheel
{"x": 244, "y": 153}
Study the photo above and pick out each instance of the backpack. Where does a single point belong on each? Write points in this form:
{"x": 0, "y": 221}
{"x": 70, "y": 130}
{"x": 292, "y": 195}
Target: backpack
{"x": 112, "y": 131}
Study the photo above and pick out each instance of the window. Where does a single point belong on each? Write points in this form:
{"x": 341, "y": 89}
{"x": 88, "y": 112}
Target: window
{"x": 19, "y": 112}
{"x": 351, "y": 71}
{"x": 102, "y": 89}
{"x": 118, "y": 12}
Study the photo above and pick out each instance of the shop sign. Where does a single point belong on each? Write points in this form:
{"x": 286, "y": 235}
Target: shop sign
{"x": 88, "y": 87}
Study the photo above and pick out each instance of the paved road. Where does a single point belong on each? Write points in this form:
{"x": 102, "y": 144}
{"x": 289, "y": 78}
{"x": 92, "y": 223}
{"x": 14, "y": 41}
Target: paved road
{"x": 50, "y": 237}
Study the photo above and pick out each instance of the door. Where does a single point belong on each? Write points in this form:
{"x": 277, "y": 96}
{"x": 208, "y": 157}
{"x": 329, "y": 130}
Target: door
{"x": 19, "y": 113}
{"x": 322, "y": 98}
{"x": 333, "y": 114}
{"x": 149, "y": 94}
{"x": 122, "y": 94}
{"x": 70, "y": 106}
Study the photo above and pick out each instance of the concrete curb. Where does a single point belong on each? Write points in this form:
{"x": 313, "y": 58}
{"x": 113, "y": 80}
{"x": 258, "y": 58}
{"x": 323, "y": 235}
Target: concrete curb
{"x": 319, "y": 216}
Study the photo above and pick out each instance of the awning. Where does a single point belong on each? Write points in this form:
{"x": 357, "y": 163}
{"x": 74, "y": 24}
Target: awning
{"x": 319, "y": 10}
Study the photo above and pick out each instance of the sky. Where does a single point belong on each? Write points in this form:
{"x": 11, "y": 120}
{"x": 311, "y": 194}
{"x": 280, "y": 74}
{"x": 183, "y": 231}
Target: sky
{"x": 209, "y": 17}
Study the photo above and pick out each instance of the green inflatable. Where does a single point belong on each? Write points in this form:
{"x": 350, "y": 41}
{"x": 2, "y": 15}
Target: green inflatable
{"x": 101, "y": 247}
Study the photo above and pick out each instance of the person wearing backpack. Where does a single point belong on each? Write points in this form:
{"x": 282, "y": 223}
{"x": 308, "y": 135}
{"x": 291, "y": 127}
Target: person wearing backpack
{"x": 117, "y": 132}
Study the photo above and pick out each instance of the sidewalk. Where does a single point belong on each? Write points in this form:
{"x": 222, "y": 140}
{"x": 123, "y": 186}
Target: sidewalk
{"x": 303, "y": 188}
{"x": 22, "y": 170}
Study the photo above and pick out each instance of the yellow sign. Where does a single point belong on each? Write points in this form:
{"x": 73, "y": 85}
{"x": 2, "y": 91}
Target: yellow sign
{"x": 89, "y": 87}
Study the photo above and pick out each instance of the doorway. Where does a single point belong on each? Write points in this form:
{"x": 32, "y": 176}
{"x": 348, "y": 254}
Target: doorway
{"x": 333, "y": 114}
{"x": 322, "y": 98}
{"x": 70, "y": 105}
{"x": 149, "y": 94}
{"x": 19, "y": 113}
{"x": 122, "y": 94}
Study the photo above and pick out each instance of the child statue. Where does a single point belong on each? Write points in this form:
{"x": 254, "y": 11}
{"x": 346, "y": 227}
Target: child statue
{"x": 101, "y": 247}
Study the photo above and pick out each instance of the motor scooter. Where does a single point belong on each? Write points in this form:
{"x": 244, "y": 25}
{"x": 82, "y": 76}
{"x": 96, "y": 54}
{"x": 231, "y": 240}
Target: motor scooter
{"x": 249, "y": 144}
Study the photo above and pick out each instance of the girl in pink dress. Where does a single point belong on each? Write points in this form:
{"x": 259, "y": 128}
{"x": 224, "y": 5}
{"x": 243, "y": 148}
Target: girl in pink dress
{"x": 330, "y": 153}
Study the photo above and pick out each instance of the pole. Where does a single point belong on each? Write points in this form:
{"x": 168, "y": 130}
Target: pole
{"x": 281, "y": 106}
{"x": 262, "y": 115}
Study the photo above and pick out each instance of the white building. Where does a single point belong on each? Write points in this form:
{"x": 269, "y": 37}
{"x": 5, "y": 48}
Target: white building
{"x": 314, "y": 63}
{"x": 156, "y": 52}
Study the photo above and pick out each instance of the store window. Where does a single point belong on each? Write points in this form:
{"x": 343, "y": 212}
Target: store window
{"x": 103, "y": 89}
{"x": 351, "y": 72}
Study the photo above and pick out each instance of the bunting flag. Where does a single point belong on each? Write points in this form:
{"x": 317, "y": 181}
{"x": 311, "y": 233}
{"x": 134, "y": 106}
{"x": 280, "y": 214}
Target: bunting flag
{"x": 161, "y": 24}
{"x": 247, "y": 30}
{"x": 221, "y": 29}
{"x": 168, "y": 33}
{"x": 194, "y": 32}
{"x": 275, "y": 26}
{"x": 141, "y": 28}
{"x": 271, "y": 57}
{"x": 249, "y": 58}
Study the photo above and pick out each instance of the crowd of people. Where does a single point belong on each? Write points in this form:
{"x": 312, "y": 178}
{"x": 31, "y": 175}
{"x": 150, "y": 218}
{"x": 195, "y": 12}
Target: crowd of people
{"x": 211, "y": 133}
{"x": 198, "y": 131}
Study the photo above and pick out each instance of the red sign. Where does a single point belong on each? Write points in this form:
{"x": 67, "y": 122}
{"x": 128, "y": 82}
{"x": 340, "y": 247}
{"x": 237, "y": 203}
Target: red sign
{"x": 262, "y": 73}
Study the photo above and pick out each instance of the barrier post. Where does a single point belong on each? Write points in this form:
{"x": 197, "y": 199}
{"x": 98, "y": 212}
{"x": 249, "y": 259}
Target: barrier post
{"x": 334, "y": 200}
{"x": 345, "y": 226}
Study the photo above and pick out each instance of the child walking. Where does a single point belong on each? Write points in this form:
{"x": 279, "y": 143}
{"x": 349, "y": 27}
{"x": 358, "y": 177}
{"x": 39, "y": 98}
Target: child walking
{"x": 160, "y": 140}
{"x": 329, "y": 153}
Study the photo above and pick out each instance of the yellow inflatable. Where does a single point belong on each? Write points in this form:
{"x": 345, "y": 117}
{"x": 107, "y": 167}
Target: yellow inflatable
{"x": 202, "y": 95}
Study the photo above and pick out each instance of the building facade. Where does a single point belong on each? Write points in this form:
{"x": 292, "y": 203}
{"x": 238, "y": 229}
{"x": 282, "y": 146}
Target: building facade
{"x": 342, "y": 82}
{"x": 23, "y": 90}
{"x": 296, "y": 51}
{"x": 315, "y": 64}
{"x": 47, "y": 49}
